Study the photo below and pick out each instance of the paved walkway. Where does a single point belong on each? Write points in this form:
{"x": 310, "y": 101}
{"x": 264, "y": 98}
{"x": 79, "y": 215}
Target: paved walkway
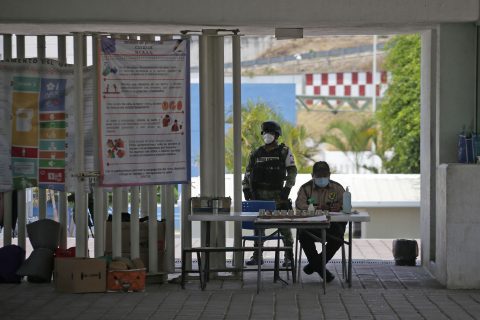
{"x": 380, "y": 290}
{"x": 369, "y": 249}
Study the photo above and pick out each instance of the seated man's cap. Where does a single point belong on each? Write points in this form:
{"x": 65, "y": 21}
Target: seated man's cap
{"x": 321, "y": 167}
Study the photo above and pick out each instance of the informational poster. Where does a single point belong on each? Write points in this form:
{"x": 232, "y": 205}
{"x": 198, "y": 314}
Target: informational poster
{"x": 144, "y": 114}
{"x": 32, "y": 113}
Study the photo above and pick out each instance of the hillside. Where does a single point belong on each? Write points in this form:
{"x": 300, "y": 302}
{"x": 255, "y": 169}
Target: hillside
{"x": 297, "y": 47}
{"x": 316, "y": 122}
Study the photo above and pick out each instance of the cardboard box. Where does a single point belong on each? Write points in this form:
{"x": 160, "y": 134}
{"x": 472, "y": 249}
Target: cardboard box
{"x": 126, "y": 280}
{"x": 143, "y": 241}
{"x": 80, "y": 275}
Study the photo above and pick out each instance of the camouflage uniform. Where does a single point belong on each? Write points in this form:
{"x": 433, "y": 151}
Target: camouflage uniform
{"x": 269, "y": 170}
{"x": 324, "y": 198}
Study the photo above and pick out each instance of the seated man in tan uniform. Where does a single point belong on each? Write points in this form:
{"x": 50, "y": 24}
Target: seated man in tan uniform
{"x": 325, "y": 194}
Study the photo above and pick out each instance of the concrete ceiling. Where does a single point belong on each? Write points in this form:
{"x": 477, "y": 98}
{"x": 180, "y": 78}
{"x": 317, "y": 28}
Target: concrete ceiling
{"x": 317, "y": 17}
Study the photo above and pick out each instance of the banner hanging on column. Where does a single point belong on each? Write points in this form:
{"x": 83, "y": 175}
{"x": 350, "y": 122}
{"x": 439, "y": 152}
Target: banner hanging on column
{"x": 144, "y": 112}
{"x": 37, "y": 124}
{"x": 32, "y": 117}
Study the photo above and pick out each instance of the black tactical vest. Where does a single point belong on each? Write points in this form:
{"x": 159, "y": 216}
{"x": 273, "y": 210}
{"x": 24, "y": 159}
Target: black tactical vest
{"x": 269, "y": 171}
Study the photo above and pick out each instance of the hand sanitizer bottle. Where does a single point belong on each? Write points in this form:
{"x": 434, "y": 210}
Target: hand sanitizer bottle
{"x": 347, "y": 202}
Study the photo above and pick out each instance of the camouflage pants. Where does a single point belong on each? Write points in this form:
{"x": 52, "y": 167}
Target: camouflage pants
{"x": 280, "y": 205}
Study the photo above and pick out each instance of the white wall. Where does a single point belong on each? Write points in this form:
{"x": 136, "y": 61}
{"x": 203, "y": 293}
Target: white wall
{"x": 458, "y": 225}
{"x": 452, "y": 254}
{"x": 392, "y": 223}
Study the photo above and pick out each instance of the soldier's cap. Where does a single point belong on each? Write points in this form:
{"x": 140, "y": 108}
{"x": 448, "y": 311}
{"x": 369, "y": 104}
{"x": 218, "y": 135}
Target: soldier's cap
{"x": 321, "y": 167}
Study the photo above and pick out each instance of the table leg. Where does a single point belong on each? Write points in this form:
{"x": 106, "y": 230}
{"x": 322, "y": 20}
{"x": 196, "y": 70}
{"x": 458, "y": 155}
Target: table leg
{"x": 200, "y": 270}
{"x": 207, "y": 254}
{"x": 324, "y": 258}
{"x": 184, "y": 264}
{"x": 350, "y": 254}
{"x": 259, "y": 270}
{"x": 276, "y": 272}
{"x": 295, "y": 260}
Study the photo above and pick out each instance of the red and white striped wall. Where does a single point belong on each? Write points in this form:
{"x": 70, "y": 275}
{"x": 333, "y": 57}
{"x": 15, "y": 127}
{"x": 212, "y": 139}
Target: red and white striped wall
{"x": 346, "y": 84}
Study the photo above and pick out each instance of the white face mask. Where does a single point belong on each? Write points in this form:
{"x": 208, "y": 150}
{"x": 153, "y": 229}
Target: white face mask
{"x": 268, "y": 138}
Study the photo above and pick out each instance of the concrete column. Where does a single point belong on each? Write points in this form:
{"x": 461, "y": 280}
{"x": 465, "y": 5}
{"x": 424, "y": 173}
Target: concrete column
{"x": 457, "y": 219}
{"x": 99, "y": 214}
{"x": 144, "y": 201}
{"x": 134, "y": 224}
{"x": 21, "y": 195}
{"x": 7, "y": 196}
{"x": 456, "y": 86}
{"x": 80, "y": 197}
{"x": 428, "y": 150}
{"x": 212, "y": 131}
{"x": 42, "y": 203}
{"x": 62, "y": 218}
{"x": 168, "y": 214}
{"x": 22, "y": 221}
{"x": 7, "y": 218}
{"x": 62, "y": 196}
{"x": 62, "y": 48}
{"x": 152, "y": 231}
{"x": 237, "y": 140}
{"x": 117, "y": 222}
{"x": 41, "y": 46}
{"x": 125, "y": 200}
{"x": 186, "y": 225}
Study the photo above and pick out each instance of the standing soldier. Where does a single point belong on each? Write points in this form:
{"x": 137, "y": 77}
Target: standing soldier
{"x": 270, "y": 175}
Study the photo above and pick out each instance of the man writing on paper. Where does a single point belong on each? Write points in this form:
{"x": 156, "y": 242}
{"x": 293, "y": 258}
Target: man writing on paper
{"x": 324, "y": 194}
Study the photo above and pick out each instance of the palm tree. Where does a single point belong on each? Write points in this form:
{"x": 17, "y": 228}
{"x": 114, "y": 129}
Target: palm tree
{"x": 349, "y": 137}
{"x": 253, "y": 114}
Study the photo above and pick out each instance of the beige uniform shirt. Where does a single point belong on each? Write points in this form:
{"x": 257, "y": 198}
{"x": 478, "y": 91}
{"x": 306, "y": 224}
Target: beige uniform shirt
{"x": 323, "y": 198}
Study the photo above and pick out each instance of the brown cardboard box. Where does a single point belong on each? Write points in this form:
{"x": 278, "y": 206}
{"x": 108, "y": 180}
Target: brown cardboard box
{"x": 79, "y": 275}
{"x": 126, "y": 280}
{"x": 143, "y": 241}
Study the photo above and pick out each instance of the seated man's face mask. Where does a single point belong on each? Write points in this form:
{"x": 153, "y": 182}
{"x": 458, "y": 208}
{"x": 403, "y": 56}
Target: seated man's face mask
{"x": 268, "y": 138}
{"x": 321, "y": 182}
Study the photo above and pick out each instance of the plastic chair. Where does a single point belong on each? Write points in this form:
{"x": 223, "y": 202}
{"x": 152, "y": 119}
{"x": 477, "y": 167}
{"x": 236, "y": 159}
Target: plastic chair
{"x": 298, "y": 255}
{"x": 255, "y": 206}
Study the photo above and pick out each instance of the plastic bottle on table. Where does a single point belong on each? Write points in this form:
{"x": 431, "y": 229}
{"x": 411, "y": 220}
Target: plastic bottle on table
{"x": 347, "y": 202}
{"x": 311, "y": 208}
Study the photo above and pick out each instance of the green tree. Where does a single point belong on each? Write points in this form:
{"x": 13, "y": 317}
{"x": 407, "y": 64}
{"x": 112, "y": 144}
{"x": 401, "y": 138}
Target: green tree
{"x": 399, "y": 112}
{"x": 253, "y": 114}
{"x": 349, "y": 137}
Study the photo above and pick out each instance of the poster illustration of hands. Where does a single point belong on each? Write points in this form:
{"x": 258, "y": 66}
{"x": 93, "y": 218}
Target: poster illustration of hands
{"x": 144, "y": 112}
{"x": 32, "y": 117}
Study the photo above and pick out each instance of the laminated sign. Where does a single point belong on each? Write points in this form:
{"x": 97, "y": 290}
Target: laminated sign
{"x": 144, "y": 116}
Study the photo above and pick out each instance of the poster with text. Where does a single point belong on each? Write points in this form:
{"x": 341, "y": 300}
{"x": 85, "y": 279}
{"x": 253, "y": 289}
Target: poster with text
{"x": 32, "y": 117}
{"x": 144, "y": 112}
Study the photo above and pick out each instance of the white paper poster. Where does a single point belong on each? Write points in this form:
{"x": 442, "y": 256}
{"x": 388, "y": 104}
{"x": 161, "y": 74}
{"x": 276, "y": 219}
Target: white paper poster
{"x": 144, "y": 112}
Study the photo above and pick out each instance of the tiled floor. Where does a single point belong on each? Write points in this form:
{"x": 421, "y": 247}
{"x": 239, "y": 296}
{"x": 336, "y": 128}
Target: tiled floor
{"x": 380, "y": 290}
